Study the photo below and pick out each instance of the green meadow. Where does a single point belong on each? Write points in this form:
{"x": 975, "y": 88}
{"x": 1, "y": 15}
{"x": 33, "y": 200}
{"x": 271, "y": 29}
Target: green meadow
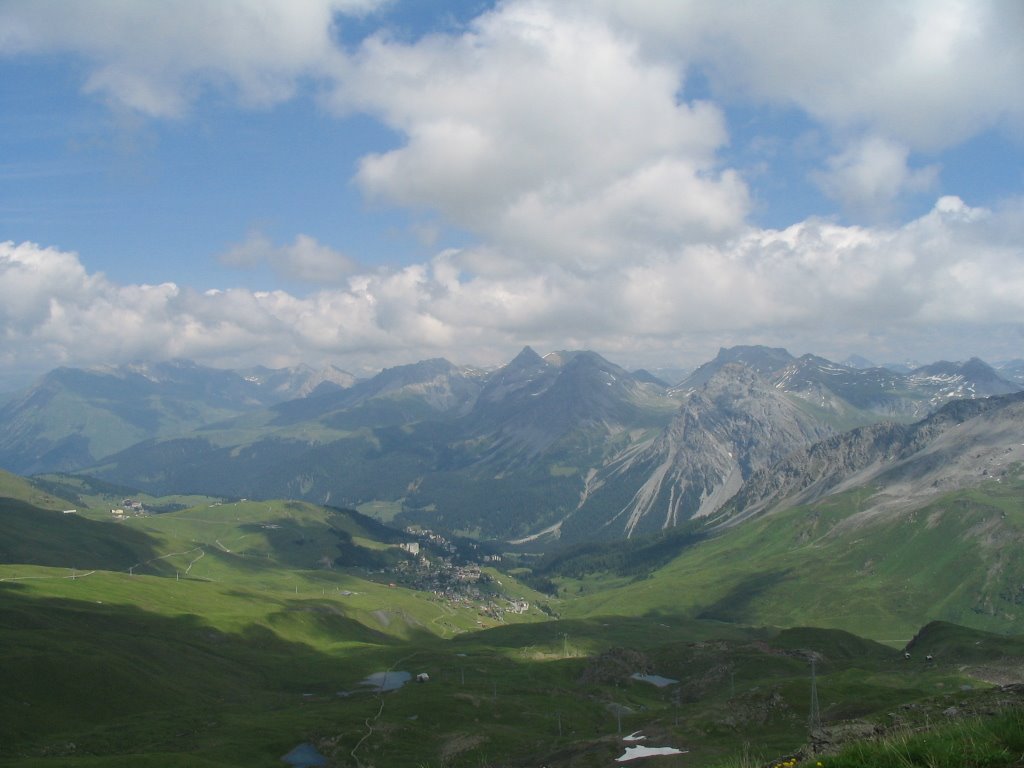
{"x": 954, "y": 559}
{"x": 230, "y": 632}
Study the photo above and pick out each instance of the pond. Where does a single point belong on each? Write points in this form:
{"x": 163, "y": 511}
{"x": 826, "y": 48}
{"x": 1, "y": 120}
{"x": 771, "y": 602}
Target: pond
{"x": 387, "y": 681}
{"x": 304, "y": 756}
{"x": 657, "y": 680}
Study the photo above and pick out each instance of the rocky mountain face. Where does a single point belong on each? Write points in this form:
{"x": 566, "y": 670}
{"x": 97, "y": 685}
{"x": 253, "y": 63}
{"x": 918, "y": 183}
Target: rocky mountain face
{"x": 849, "y": 395}
{"x": 766, "y": 361}
{"x": 962, "y": 445}
{"x": 299, "y": 381}
{"x": 735, "y": 424}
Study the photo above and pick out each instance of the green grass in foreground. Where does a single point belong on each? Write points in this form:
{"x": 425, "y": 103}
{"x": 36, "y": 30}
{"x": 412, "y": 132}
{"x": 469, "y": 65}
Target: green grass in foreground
{"x": 213, "y": 638}
{"x": 990, "y": 742}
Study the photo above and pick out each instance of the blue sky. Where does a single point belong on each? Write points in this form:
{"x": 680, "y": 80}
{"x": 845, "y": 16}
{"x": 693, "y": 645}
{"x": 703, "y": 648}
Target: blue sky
{"x": 366, "y": 183}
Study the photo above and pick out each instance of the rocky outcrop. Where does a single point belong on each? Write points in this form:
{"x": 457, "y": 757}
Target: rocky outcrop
{"x": 958, "y": 446}
{"x": 734, "y": 425}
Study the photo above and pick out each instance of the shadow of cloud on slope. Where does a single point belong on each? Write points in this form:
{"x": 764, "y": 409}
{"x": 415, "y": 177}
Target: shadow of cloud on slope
{"x": 77, "y": 668}
{"x": 34, "y": 536}
{"x": 315, "y": 544}
{"x": 737, "y": 606}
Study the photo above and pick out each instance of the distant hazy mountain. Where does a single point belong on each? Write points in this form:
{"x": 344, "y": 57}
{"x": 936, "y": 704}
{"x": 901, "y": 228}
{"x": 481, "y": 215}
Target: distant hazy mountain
{"x": 499, "y": 452}
{"x": 567, "y": 445}
{"x": 766, "y": 361}
{"x": 1011, "y": 370}
{"x": 945, "y": 381}
{"x": 299, "y": 381}
{"x": 847, "y": 396}
{"x": 532, "y": 403}
{"x": 70, "y": 418}
{"x": 642, "y": 374}
{"x": 857, "y": 361}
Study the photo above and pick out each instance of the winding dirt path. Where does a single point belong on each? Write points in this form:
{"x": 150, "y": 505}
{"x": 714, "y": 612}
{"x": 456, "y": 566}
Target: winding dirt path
{"x": 370, "y": 721}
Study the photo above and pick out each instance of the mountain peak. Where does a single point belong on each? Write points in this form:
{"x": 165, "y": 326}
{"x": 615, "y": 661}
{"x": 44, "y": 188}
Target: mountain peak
{"x": 526, "y": 358}
{"x": 765, "y": 360}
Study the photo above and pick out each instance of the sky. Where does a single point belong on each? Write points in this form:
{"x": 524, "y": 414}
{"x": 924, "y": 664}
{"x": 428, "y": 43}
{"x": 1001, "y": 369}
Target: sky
{"x": 367, "y": 183}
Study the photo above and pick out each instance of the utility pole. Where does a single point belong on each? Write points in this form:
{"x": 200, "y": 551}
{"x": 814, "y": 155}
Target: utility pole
{"x": 814, "y": 721}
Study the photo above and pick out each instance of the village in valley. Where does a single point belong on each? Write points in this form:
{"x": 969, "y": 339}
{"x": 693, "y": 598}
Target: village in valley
{"x": 458, "y": 576}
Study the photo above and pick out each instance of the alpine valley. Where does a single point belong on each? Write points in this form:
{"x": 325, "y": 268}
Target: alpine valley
{"x": 776, "y": 555}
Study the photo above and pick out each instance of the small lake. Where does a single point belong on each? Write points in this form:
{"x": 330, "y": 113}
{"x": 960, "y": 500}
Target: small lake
{"x": 304, "y": 756}
{"x": 657, "y": 680}
{"x": 387, "y": 681}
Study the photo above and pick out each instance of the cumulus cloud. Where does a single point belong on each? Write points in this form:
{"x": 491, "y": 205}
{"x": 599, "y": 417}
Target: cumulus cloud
{"x": 926, "y": 73}
{"x": 305, "y": 259}
{"x": 548, "y": 133}
{"x": 561, "y": 135}
{"x": 557, "y": 129}
{"x": 938, "y": 283}
{"x": 154, "y": 57}
{"x": 869, "y": 176}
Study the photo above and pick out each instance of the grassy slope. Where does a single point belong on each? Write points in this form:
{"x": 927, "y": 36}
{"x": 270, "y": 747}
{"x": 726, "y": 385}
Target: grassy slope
{"x": 242, "y": 658}
{"x": 215, "y": 657}
{"x": 161, "y": 669}
{"x": 882, "y": 580}
{"x": 16, "y": 487}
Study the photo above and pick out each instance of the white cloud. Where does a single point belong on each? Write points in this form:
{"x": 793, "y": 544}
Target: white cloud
{"x": 154, "y": 57}
{"x": 948, "y": 284}
{"x": 557, "y": 134}
{"x": 926, "y": 73}
{"x": 870, "y": 175}
{"x": 556, "y": 129}
{"x": 305, "y": 259}
{"x": 548, "y": 133}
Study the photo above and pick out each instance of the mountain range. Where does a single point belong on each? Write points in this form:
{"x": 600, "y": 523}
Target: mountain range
{"x": 70, "y": 418}
{"x": 721, "y": 533}
{"x": 565, "y": 447}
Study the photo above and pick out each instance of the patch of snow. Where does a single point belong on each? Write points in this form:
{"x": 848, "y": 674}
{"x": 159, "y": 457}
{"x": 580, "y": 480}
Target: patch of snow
{"x": 635, "y": 736}
{"x": 635, "y": 753}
